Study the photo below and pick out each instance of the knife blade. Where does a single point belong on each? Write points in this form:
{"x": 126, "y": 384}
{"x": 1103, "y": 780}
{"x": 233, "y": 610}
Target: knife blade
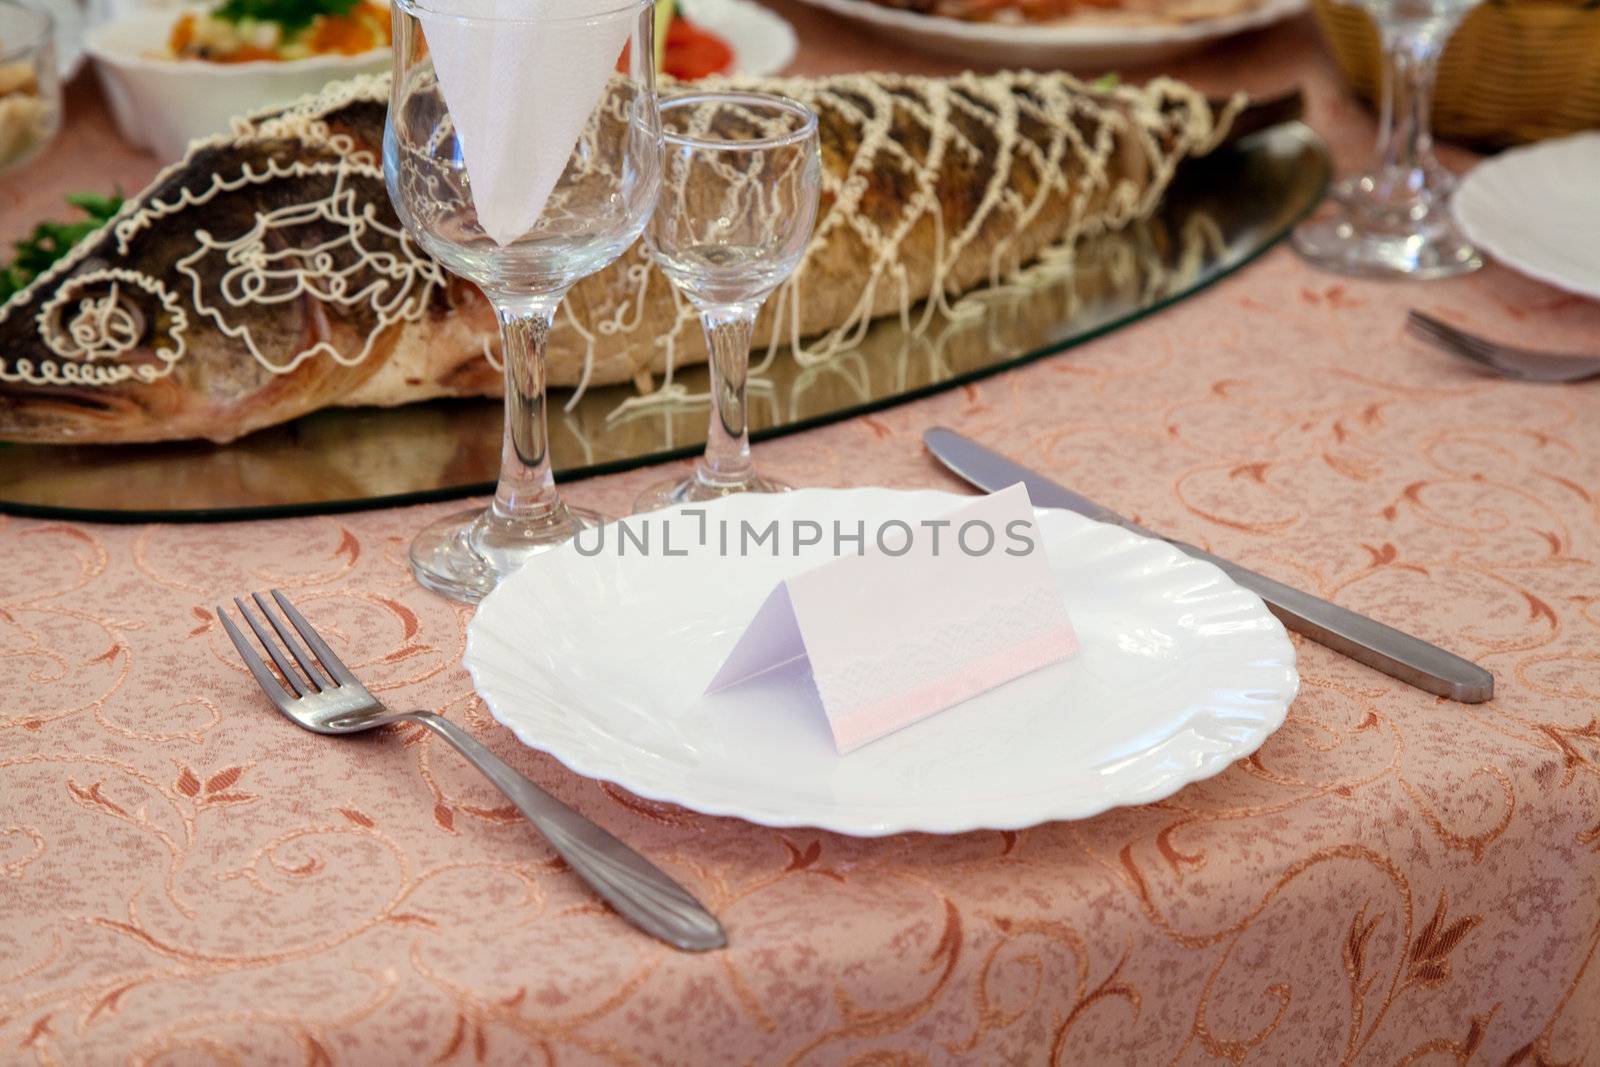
{"x": 1381, "y": 647}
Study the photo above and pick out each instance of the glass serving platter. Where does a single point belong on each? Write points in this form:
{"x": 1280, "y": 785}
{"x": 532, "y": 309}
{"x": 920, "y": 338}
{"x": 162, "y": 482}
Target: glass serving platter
{"x": 1221, "y": 212}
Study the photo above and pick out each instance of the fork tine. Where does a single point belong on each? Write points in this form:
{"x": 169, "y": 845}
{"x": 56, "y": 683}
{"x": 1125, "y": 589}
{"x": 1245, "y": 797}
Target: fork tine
{"x": 1526, "y": 364}
{"x": 1426, "y": 325}
{"x": 1453, "y": 340}
{"x": 1461, "y": 339}
{"x": 301, "y": 656}
{"x": 296, "y": 683}
{"x": 1466, "y": 342}
{"x": 1483, "y": 355}
{"x": 1432, "y": 329}
{"x": 318, "y": 645}
{"x": 264, "y": 677}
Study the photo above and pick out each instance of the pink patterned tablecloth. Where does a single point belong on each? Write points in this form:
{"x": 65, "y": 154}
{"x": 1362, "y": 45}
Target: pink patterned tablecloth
{"x": 1392, "y": 879}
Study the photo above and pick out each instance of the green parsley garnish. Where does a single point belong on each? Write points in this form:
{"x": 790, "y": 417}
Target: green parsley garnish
{"x": 49, "y": 241}
{"x": 294, "y": 16}
{"x": 1106, "y": 82}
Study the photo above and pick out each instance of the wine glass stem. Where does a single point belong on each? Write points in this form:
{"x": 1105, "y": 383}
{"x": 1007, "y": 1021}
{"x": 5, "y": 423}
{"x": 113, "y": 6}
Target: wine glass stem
{"x": 527, "y": 487}
{"x": 1406, "y": 160}
{"x": 727, "y": 457}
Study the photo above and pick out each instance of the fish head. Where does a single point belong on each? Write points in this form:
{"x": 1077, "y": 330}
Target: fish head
{"x": 261, "y": 278}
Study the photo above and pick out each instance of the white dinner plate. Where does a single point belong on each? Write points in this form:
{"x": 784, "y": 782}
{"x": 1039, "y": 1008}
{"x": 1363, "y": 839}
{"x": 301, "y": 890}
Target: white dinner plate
{"x": 763, "y": 42}
{"x": 1537, "y": 210}
{"x": 601, "y": 660}
{"x": 1065, "y": 44}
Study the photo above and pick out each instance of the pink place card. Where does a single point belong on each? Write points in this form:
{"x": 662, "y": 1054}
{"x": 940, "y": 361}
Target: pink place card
{"x": 894, "y": 636}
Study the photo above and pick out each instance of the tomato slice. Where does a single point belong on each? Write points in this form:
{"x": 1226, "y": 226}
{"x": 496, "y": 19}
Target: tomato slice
{"x": 695, "y": 53}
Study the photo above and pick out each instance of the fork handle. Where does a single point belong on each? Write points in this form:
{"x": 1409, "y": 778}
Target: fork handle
{"x": 626, "y": 880}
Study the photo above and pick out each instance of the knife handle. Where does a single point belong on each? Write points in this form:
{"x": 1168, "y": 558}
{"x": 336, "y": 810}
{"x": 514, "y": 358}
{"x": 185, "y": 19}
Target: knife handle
{"x": 1383, "y": 648}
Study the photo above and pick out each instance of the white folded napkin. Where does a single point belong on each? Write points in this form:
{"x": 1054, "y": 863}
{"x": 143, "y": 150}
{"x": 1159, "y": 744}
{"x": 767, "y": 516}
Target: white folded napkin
{"x": 520, "y": 92}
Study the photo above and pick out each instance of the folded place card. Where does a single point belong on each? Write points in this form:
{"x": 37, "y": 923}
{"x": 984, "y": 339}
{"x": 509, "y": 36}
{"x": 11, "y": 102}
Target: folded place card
{"x": 894, "y": 636}
{"x": 520, "y": 92}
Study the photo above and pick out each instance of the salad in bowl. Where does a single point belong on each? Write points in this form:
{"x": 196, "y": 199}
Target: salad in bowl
{"x": 245, "y": 31}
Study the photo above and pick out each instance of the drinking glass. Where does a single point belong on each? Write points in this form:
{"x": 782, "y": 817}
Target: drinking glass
{"x": 1395, "y": 221}
{"x": 741, "y": 174}
{"x": 535, "y": 66}
{"x": 30, "y": 92}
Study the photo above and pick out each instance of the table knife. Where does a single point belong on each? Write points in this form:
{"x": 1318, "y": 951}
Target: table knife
{"x": 1364, "y": 640}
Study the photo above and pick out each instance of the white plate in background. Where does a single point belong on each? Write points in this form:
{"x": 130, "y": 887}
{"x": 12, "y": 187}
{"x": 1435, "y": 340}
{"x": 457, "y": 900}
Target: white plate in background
{"x": 1537, "y": 210}
{"x": 602, "y": 661}
{"x": 1065, "y": 44}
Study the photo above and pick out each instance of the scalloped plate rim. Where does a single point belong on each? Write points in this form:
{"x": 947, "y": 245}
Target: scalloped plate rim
{"x": 889, "y": 823}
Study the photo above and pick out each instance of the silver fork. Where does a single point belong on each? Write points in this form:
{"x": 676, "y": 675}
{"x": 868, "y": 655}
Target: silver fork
{"x": 330, "y": 700}
{"x": 1521, "y": 363}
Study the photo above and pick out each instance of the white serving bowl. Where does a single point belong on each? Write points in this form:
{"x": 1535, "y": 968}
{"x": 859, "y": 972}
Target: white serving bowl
{"x": 163, "y": 104}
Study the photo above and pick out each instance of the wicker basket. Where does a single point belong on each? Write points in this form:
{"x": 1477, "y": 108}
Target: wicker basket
{"x": 1516, "y": 70}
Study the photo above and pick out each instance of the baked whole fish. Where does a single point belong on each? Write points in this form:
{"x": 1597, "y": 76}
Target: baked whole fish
{"x": 266, "y": 275}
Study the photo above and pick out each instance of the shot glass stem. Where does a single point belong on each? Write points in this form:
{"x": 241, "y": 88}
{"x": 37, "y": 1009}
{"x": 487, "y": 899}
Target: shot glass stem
{"x": 728, "y": 329}
{"x": 526, "y": 491}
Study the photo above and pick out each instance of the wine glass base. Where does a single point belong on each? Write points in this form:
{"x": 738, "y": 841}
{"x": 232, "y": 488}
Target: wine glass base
{"x": 1357, "y": 190}
{"x": 1349, "y": 237}
{"x": 465, "y": 555}
{"x": 696, "y": 490}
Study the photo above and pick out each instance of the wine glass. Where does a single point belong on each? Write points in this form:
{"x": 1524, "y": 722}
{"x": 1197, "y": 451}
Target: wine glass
{"x": 523, "y": 151}
{"x": 1395, "y": 221}
{"x": 741, "y": 174}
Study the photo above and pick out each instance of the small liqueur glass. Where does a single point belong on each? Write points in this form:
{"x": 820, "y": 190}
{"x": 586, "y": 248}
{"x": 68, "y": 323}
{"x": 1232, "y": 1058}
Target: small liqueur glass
{"x": 741, "y": 175}
{"x": 1395, "y": 221}
{"x": 30, "y": 91}
{"x": 519, "y": 112}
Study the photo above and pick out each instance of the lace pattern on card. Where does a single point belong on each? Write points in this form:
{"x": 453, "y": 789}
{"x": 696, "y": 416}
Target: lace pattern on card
{"x": 944, "y": 651}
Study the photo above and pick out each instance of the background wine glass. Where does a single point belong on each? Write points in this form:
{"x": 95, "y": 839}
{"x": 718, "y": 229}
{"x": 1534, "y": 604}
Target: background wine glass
{"x": 1395, "y": 220}
{"x": 741, "y": 174}
{"x": 599, "y": 204}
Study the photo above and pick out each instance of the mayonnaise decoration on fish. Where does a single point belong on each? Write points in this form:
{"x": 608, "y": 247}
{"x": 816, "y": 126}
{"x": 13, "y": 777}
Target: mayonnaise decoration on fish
{"x": 266, "y": 275}
{"x": 285, "y": 257}
{"x": 87, "y": 321}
